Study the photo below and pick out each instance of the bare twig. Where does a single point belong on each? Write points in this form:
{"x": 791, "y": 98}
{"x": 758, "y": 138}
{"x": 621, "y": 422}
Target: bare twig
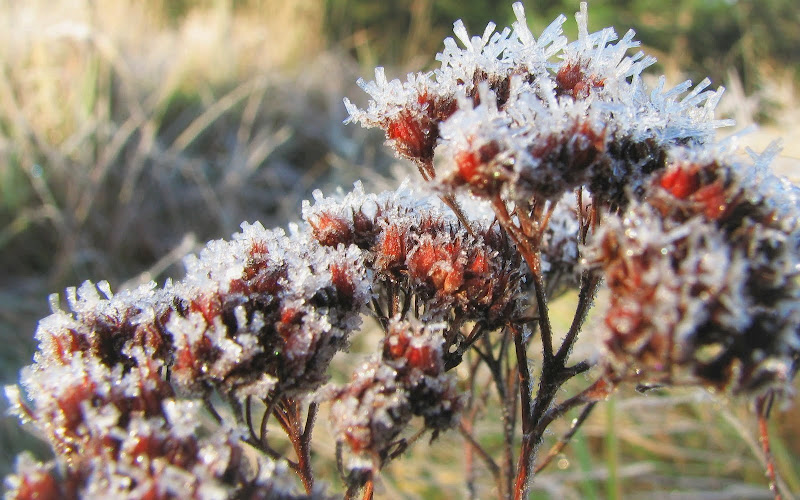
{"x": 763, "y": 407}
{"x": 565, "y": 439}
{"x": 490, "y": 463}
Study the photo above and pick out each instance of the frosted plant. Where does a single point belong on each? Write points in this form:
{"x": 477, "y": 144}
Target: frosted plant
{"x": 549, "y": 168}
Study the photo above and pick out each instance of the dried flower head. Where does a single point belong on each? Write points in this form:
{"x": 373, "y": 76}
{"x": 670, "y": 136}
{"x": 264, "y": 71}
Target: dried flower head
{"x": 408, "y": 378}
{"x": 703, "y": 276}
{"x": 521, "y": 126}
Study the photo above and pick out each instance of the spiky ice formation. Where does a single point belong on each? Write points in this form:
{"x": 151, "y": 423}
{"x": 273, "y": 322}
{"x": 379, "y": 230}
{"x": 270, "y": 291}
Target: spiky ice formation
{"x": 509, "y": 115}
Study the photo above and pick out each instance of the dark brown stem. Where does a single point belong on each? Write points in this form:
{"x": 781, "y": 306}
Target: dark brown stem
{"x": 589, "y": 284}
{"x": 301, "y": 448}
{"x": 474, "y": 445}
{"x": 393, "y": 304}
{"x": 763, "y": 407}
{"x": 526, "y": 447}
{"x": 257, "y": 442}
{"x": 531, "y": 256}
{"x": 248, "y": 415}
{"x": 545, "y": 221}
{"x": 379, "y": 314}
{"x": 236, "y": 408}
{"x": 212, "y": 410}
{"x": 352, "y": 491}
{"x": 453, "y": 359}
{"x": 451, "y": 202}
{"x": 466, "y": 426}
{"x": 496, "y": 370}
{"x": 270, "y": 405}
{"x": 598, "y": 391}
{"x": 304, "y": 447}
{"x": 406, "y": 303}
{"x": 288, "y": 415}
{"x": 505, "y": 390}
{"x": 369, "y": 490}
{"x": 554, "y": 374}
{"x": 558, "y": 447}
{"x": 545, "y": 330}
{"x": 266, "y": 448}
{"x": 552, "y": 370}
{"x": 527, "y": 237}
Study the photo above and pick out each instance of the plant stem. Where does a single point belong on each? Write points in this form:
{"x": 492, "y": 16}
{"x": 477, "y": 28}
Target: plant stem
{"x": 589, "y": 284}
{"x": 558, "y": 447}
{"x": 763, "y": 407}
{"x": 466, "y": 432}
{"x": 613, "y": 491}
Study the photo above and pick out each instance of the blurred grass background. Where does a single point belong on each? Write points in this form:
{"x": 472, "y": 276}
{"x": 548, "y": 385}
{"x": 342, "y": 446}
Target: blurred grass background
{"x": 130, "y": 133}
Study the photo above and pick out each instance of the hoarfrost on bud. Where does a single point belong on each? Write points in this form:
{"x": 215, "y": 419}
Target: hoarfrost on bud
{"x": 703, "y": 274}
{"x": 183, "y": 416}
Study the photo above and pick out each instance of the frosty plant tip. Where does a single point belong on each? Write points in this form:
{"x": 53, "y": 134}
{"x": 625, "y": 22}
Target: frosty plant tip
{"x": 549, "y": 168}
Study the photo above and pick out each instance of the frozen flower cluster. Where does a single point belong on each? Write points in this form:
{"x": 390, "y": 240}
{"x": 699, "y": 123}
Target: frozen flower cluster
{"x": 701, "y": 263}
{"x": 704, "y": 278}
{"x": 264, "y": 312}
{"x": 407, "y": 379}
{"x": 521, "y": 118}
{"x": 124, "y": 377}
{"x": 98, "y": 393}
{"x": 553, "y": 167}
{"x": 424, "y": 260}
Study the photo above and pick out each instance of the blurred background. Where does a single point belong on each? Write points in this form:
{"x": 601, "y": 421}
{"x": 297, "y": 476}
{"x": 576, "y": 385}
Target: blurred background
{"x": 133, "y": 132}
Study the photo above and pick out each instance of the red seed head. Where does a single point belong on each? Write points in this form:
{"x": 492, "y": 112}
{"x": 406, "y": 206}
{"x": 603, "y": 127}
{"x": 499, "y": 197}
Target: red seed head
{"x": 714, "y": 200}
{"x": 392, "y": 251}
{"x": 423, "y": 259}
{"x": 208, "y": 305}
{"x": 414, "y": 135}
{"x": 572, "y": 80}
{"x": 343, "y": 282}
{"x": 331, "y": 230}
{"x": 438, "y": 264}
{"x": 701, "y": 186}
{"x": 424, "y": 358}
{"x": 473, "y": 166}
{"x": 680, "y": 182}
{"x": 479, "y": 264}
{"x": 364, "y": 230}
{"x": 395, "y": 345}
{"x": 41, "y": 486}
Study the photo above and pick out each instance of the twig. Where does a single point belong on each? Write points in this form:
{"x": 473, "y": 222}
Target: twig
{"x": 475, "y": 445}
{"x": 526, "y": 449}
{"x": 369, "y": 490}
{"x": 592, "y": 394}
{"x": 565, "y": 439}
{"x": 270, "y": 405}
{"x": 763, "y": 407}
{"x": 212, "y": 410}
{"x": 589, "y": 284}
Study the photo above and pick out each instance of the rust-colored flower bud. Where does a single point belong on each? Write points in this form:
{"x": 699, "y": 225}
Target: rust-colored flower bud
{"x": 572, "y": 80}
{"x": 392, "y": 248}
{"x": 343, "y": 282}
{"x": 331, "y": 230}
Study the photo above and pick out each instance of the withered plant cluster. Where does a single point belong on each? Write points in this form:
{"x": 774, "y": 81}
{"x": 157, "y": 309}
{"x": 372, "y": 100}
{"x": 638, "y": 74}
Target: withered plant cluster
{"x": 550, "y": 168}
